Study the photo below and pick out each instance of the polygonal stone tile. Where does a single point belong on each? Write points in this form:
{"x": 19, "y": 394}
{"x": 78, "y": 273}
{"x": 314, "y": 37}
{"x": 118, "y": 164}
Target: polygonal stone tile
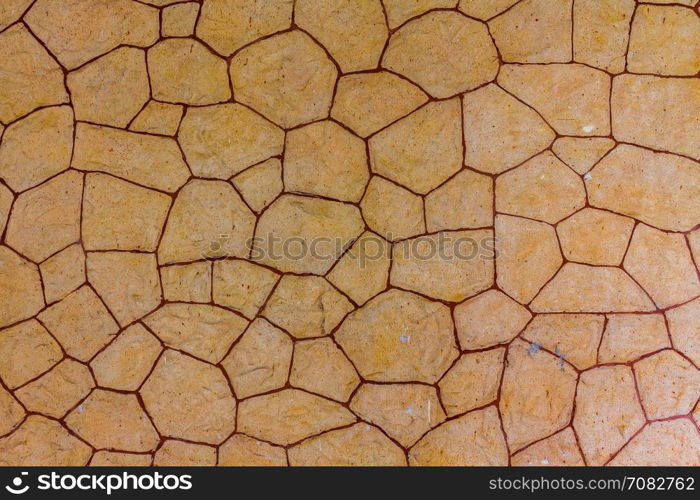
{"x": 473, "y": 439}
{"x": 11, "y": 11}
{"x": 179, "y": 19}
{"x": 181, "y": 453}
{"x": 392, "y": 211}
{"x": 241, "y": 450}
{"x": 443, "y": 52}
{"x": 158, "y": 118}
{"x": 399, "y": 336}
{"x": 202, "y": 330}
{"x": 11, "y": 411}
{"x": 627, "y": 337}
{"x": 582, "y": 153}
{"x": 287, "y": 77}
{"x": 306, "y": 306}
{"x": 189, "y": 399}
{"x": 422, "y": 150}
{"x": 37, "y": 147}
{"x": 537, "y": 394}
{"x": 26, "y": 351}
{"x": 20, "y": 287}
{"x": 220, "y": 141}
{"x": 674, "y": 443}
{"x": 464, "y": 201}
{"x": 242, "y": 285}
{"x": 259, "y": 362}
{"x": 449, "y": 266}
{"x": 290, "y": 415}
{"x": 684, "y": 326}
{"x": 561, "y": 449}
{"x": 399, "y": 11}
{"x": 404, "y": 411}
{"x": 63, "y": 272}
{"x": 367, "y": 102}
{"x": 187, "y": 282}
{"x": 259, "y": 185}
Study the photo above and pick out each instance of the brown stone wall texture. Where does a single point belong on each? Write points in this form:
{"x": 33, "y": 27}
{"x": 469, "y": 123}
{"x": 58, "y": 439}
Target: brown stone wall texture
{"x": 349, "y": 232}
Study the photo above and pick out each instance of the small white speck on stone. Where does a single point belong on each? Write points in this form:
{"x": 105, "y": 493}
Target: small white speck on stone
{"x": 587, "y": 176}
{"x": 588, "y": 129}
{"x": 409, "y": 410}
{"x": 545, "y": 462}
{"x": 404, "y": 338}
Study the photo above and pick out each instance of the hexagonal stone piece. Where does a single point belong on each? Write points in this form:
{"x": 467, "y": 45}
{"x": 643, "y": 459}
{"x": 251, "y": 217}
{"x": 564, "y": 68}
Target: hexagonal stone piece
{"x": 189, "y": 399}
{"x": 464, "y": 201}
{"x": 36, "y": 147}
{"x": 324, "y": 159}
{"x": 449, "y": 266}
{"x": 112, "y": 89}
{"x": 201, "y": 330}
{"x": 534, "y": 31}
{"x": 473, "y": 381}
{"x": 260, "y": 361}
{"x": 367, "y": 102}
{"x": 289, "y": 416}
{"x": 30, "y": 78}
{"x": 454, "y": 443}
{"x": 392, "y": 211}
{"x": 684, "y": 326}
{"x": 669, "y": 384}
{"x": 63, "y": 272}
{"x": 287, "y": 78}
{"x": 109, "y": 419}
{"x": 668, "y": 187}
{"x": 220, "y": 141}
{"x": 180, "y": 453}
{"x": 359, "y": 445}
{"x": 243, "y": 450}
{"x": 76, "y": 31}
{"x": 595, "y": 237}
{"x": 607, "y": 412}
{"x": 443, "y": 52}
{"x": 242, "y": 285}
{"x": 404, "y": 411}
{"x": 543, "y": 188}
{"x": 422, "y": 150}
{"x": 208, "y": 220}
{"x": 306, "y": 306}
{"x": 627, "y": 337}
{"x": 301, "y": 234}
{"x": 40, "y": 441}
{"x": 674, "y": 443}
{"x": 321, "y": 367}
{"x": 500, "y": 132}
{"x": 573, "y": 98}
{"x": 561, "y": 449}
{"x": 488, "y": 319}
{"x": 228, "y": 25}
{"x": 20, "y": 287}
{"x": 399, "y": 336}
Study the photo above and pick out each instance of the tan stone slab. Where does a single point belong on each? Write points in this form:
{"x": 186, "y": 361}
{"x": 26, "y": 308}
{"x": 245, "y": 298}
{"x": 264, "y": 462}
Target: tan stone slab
{"x": 57, "y": 391}
{"x": 368, "y": 102}
{"x": 601, "y": 32}
{"x": 81, "y": 323}
{"x": 527, "y": 256}
{"x": 31, "y": 78}
{"x": 684, "y": 326}
{"x": 582, "y": 153}
{"x": 44, "y": 442}
{"x": 207, "y": 220}
{"x": 46, "y": 218}
{"x": 321, "y": 367}
{"x": 20, "y": 287}
{"x": 326, "y": 160}
{"x": 261, "y": 184}
{"x": 202, "y": 330}
{"x": 627, "y": 337}
{"x": 306, "y": 306}
{"x": 354, "y": 34}
{"x": 182, "y": 454}
{"x": 607, "y": 412}
{"x": 104, "y": 458}
{"x": 583, "y": 288}
{"x": 558, "y": 450}
{"x": 128, "y": 360}
{"x": 184, "y": 71}
{"x": 534, "y": 31}
{"x": 472, "y": 382}
{"x": 228, "y": 25}
{"x": 189, "y": 399}
{"x": 392, "y": 211}
{"x": 158, "y": 118}
{"x": 359, "y": 445}
{"x": 241, "y": 450}
{"x": 260, "y": 360}
{"x": 662, "y": 264}
{"x": 500, "y": 132}
{"x": 673, "y": 443}
{"x": 288, "y": 78}
{"x": 669, "y": 384}
{"x": 151, "y": 161}
{"x": 26, "y": 351}
{"x": 664, "y": 40}
{"x": 657, "y": 112}
{"x": 179, "y": 19}
{"x": 399, "y": 337}
{"x": 11, "y": 11}
{"x": 404, "y": 411}
{"x": 187, "y": 282}
{"x": 573, "y": 98}
{"x": 666, "y": 187}
{"x": 242, "y": 285}
{"x": 37, "y": 147}
{"x": 63, "y": 272}
{"x": 289, "y": 416}
{"x": 573, "y": 337}
{"x": 399, "y": 11}
{"x": 448, "y": 266}
{"x": 220, "y": 141}
{"x": 443, "y": 52}
{"x": 474, "y": 439}
{"x": 76, "y": 31}
{"x": 464, "y": 201}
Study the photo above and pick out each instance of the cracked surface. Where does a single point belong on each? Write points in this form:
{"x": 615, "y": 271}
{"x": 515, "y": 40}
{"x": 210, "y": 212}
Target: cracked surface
{"x": 367, "y": 232}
